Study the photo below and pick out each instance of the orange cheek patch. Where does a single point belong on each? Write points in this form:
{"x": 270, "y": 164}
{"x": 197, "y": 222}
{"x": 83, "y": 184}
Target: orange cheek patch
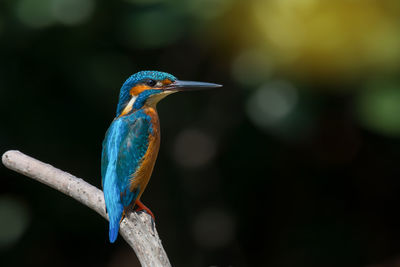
{"x": 166, "y": 82}
{"x": 138, "y": 89}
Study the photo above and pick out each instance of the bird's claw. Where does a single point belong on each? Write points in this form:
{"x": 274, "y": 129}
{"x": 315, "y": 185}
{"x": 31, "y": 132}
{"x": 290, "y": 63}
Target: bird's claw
{"x": 141, "y": 207}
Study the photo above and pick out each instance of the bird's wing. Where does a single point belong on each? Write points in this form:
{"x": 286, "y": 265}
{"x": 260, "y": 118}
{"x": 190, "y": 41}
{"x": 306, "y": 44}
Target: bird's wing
{"x": 131, "y": 153}
{"x": 124, "y": 147}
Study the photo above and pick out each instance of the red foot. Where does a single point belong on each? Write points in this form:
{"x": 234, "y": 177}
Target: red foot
{"x": 140, "y": 206}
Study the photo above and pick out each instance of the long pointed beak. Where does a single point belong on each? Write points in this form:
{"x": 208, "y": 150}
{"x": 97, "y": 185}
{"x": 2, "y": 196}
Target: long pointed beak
{"x": 191, "y": 86}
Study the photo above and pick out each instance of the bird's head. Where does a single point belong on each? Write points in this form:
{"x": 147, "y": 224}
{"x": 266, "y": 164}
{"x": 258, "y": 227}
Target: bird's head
{"x": 149, "y": 87}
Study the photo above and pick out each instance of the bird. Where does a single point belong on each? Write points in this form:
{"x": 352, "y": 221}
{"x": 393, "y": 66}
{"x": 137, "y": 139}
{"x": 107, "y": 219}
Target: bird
{"x": 132, "y": 141}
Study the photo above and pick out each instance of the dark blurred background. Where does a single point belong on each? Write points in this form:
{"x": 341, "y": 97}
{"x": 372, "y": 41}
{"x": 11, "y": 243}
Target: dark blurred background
{"x": 294, "y": 162}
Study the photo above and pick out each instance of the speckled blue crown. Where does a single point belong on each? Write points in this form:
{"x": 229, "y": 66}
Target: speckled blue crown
{"x": 136, "y": 79}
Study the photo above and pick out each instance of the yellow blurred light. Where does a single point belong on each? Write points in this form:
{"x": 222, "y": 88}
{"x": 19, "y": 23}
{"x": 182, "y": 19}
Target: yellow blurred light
{"x": 330, "y": 38}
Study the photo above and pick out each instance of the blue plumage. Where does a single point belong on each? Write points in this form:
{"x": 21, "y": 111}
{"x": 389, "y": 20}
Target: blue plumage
{"x": 124, "y": 147}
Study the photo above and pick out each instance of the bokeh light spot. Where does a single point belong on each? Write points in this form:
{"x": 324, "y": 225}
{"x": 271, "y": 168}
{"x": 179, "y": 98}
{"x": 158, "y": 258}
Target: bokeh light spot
{"x": 207, "y": 9}
{"x": 146, "y": 2}
{"x": 152, "y": 29}
{"x": 194, "y": 149}
{"x": 14, "y": 220}
{"x": 213, "y": 228}
{"x": 35, "y": 13}
{"x": 72, "y": 12}
{"x": 252, "y": 68}
{"x": 378, "y": 108}
{"x": 271, "y": 103}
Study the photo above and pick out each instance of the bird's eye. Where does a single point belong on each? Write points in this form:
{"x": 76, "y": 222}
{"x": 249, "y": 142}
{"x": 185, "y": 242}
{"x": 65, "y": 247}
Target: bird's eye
{"x": 151, "y": 82}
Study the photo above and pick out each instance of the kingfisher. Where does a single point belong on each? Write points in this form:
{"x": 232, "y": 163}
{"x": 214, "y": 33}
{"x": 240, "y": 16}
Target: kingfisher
{"x": 132, "y": 141}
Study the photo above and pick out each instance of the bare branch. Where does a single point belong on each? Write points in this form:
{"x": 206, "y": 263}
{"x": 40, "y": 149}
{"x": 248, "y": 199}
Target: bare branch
{"x": 136, "y": 229}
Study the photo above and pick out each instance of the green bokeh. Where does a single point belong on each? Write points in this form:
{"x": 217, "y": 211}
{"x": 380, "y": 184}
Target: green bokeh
{"x": 378, "y": 107}
{"x": 14, "y": 220}
{"x": 152, "y": 29}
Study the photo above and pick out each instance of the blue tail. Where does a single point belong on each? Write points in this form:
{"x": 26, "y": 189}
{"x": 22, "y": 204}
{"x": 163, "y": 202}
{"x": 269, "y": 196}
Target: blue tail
{"x": 114, "y": 215}
{"x": 113, "y": 234}
{"x": 114, "y": 207}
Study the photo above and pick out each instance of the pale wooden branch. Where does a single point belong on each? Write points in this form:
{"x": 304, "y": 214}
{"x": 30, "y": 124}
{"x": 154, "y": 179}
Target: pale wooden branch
{"x": 137, "y": 228}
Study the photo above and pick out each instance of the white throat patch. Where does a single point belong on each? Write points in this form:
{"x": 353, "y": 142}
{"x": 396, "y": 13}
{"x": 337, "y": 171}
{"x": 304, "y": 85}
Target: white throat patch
{"x": 129, "y": 106}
